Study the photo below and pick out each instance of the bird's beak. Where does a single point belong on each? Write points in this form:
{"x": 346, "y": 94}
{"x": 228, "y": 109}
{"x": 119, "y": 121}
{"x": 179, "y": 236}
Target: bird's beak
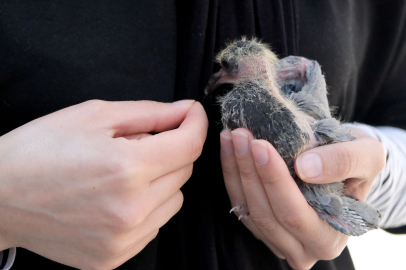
{"x": 214, "y": 82}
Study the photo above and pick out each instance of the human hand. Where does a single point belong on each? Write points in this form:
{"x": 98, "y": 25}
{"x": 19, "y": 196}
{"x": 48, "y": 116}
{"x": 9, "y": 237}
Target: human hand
{"x": 255, "y": 174}
{"x": 88, "y": 187}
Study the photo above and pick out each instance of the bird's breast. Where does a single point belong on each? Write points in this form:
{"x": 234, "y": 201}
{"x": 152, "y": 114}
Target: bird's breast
{"x": 250, "y": 105}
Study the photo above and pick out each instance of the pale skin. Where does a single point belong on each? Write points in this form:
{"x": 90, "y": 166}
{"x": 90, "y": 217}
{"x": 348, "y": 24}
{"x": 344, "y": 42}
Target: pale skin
{"x": 94, "y": 187}
{"x": 254, "y": 173}
{"x": 88, "y": 187}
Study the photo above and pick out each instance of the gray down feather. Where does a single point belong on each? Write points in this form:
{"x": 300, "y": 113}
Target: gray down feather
{"x": 285, "y": 102}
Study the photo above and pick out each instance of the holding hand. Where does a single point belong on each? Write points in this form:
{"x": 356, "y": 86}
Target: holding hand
{"x": 255, "y": 174}
{"x": 88, "y": 187}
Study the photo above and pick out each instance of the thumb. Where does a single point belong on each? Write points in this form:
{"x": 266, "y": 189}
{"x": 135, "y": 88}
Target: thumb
{"x": 362, "y": 158}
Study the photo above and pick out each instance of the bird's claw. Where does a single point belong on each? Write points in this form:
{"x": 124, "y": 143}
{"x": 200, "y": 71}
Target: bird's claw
{"x": 245, "y": 215}
{"x": 238, "y": 207}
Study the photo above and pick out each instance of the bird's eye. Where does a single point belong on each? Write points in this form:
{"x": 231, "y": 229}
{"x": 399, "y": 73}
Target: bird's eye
{"x": 231, "y": 65}
{"x": 224, "y": 64}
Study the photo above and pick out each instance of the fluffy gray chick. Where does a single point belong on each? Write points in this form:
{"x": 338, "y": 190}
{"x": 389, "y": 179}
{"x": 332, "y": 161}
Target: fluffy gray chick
{"x": 285, "y": 102}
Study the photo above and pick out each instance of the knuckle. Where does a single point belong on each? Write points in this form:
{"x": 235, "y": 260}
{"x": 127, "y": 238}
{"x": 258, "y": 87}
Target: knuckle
{"x": 120, "y": 177}
{"x": 95, "y": 106}
{"x": 115, "y": 264}
{"x": 381, "y": 162}
{"x": 229, "y": 169}
{"x": 264, "y": 223}
{"x": 248, "y": 173}
{"x": 150, "y": 104}
{"x": 256, "y": 234}
{"x": 268, "y": 182}
{"x": 195, "y": 148}
{"x": 300, "y": 263}
{"x": 332, "y": 249}
{"x": 279, "y": 255}
{"x": 129, "y": 167}
{"x": 329, "y": 253}
{"x": 189, "y": 171}
{"x": 110, "y": 248}
{"x": 154, "y": 234}
{"x": 136, "y": 216}
{"x": 106, "y": 265}
{"x": 293, "y": 221}
{"x": 152, "y": 107}
{"x": 345, "y": 161}
{"x": 125, "y": 218}
{"x": 90, "y": 265}
{"x": 118, "y": 167}
{"x": 179, "y": 200}
{"x": 125, "y": 169}
{"x": 116, "y": 261}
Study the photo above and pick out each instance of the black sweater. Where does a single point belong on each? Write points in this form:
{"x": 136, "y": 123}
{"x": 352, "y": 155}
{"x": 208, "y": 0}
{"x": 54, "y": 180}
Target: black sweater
{"x": 58, "y": 53}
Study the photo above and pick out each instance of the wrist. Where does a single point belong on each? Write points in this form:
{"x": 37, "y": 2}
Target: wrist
{"x": 6, "y": 195}
{"x": 5, "y": 225}
{"x": 5, "y": 242}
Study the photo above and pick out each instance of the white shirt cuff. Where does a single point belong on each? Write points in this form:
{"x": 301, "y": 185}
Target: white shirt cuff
{"x": 9, "y": 260}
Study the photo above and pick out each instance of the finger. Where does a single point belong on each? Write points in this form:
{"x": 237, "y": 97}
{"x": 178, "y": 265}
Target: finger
{"x": 234, "y": 188}
{"x": 164, "y": 187}
{"x": 259, "y": 205}
{"x": 362, "y": 158}
{"x": 122, "y": 118}
{"x": 286, "y": 244}
{"x": 133, "y": 250}
{"x": 259, "y": 235}
{"x": 137, "y": 136}
{"x": 231, "y": 173}
{"x": 170, "y": 150}
{"x": 289, "y": 205}
{"x": 250, "y": 181}
{"x": 150, "y": 223}
{"x": 158, "y": 217}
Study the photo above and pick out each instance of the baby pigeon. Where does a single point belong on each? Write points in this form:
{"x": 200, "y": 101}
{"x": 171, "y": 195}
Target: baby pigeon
{"x": 285, "y": 102}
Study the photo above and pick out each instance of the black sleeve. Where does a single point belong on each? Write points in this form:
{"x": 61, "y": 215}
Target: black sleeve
{"x": 385, "y": 70}
{"x": 383, "y": 74}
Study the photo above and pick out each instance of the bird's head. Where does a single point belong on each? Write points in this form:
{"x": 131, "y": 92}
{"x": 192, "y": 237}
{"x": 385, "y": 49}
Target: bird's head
{"x": 241, "y": 60}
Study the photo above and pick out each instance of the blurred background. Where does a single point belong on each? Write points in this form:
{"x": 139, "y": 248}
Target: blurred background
{"x": 378, "y": 250}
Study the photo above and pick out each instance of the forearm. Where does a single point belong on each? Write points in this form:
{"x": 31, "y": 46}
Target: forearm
{"x": 388, "y": 192}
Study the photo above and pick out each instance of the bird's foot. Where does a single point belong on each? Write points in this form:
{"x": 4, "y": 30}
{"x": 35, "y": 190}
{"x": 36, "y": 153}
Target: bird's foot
{"x": 239, "y": 207}
{"x": 244, "y": 216}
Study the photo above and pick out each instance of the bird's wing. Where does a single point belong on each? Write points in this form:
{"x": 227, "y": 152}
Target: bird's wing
{"x": 301, "y": 80}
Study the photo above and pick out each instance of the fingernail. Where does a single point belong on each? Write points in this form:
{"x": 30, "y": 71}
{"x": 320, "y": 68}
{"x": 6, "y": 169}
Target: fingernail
{"x": 240, "y": 142}
{"x": 309, "y": 166}
{"x": 259, "y": 152}
{"x": 226, "y": 142}
{"x": 184, "y": 102}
